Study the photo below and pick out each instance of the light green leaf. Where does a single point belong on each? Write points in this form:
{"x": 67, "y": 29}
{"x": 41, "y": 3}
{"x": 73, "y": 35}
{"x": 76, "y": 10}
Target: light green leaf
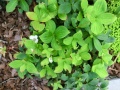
{"x": 11, "y": 5}
{"x": 85, "y": 56}
{"x": 100, "y": 69}
{"x": 68, "y": 40}
{"x": 16, "y": 64}
{"x": 106, "y": 18}
{"x": 84, "y": 48}
{"x": 50, "y": 72}
{"x": 31, "y": 68}
{"x": 42, "y": 73}
{"x": 46, "y": 37}
{"x": 22, "y": 68}
{"x": 59, "y": 68}
{"x": 97, "y": 44}
{"x": 77, "y": 35}
{"x": 84, "y": 4}
{"x": 55, "y": 45}
{"x": 37, "y": 26}
{"x": 96, "y": 28}
{"x": 50, "y": 26}
{"x": 61, "y": 32}
{"x": 64, "y": 8}
{"x": 100, "y": 6}
{"x": 32, "y": 16}
{"x": 62, "y": 16}
{"x": 67, "y": 67}
{"x": 84, "y": 23}
{"x": 44, "y": 62}
{"x": 74, "y": 44}
{"x": 23, "y": 4}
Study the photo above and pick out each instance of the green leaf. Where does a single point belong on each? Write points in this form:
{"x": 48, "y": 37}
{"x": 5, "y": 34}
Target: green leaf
{"x": 100, "y": 6}
{"x": 42, "y": 73}
{"x": 96, "y": 28}
{"x": 23, "y": 4}
{"x": 97, "y": 44}
{"x": 95, "y": 81}
{"x": 50, "y": 26}
{"x": 50, "y": 72}
{"x": 84, "y": 23}
{"x": 64, "y": 77}
{"x": 86, "y": 67}
{"x": 59, "y": 68}
{"x": 22, "y": 68}
{"x": 31, "y": 68}
{"x": 11, "y": 5}
{"x": 106, "y": 18}
{"x": 37, "y": 26}
{"x": 85, "y": 56}
{"x": 44, "y": 62}
{"x": 68, "y": 40}
{"x": 78, "y": 35}
{"x": 84, "y": 48}
{"x": 104, "y": 84}
{"x": 32, "y": 16}
{"x": 46, "y": 37}
{"x": 16, "y": 64}
{"x": 67, "y": 67}
{"x": 64, "y": 8}
{"x": 100, "y": 69}
{"x": 84, "y": 4}
{"x": 62, "y": 16}
{"x": 61, "y": 32}
{"x": 55, "y": 45}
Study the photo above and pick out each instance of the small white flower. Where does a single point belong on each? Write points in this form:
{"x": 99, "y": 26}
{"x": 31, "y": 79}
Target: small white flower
{"x": 50, "y": 59}
{"x": 34, "y": 38}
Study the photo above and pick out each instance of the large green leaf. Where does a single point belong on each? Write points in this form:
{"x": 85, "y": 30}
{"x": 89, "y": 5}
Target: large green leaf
{"x": 100, "y": 6}
{"x": 11, "y": 5}
{"x": 68, "y": 40}
{"x": 16, "y": 64}
{"x": 61, "y": 32}
{"x": 37, "y": 26}
{"x": 106, "y": 18}
{"x": 78, "y": 35}
{"x": 100, "y": 69}
{"x": 32, "y": 16}
{"x": 96, "y": 28}
{"x": 97, "y": 44}
{"x": 64, "y": 8}
{"x": 67, "y": 67}
{"x": 50, "y": 26}
{"x": 62, "y": 16}
{"x": 46, "y": 37}
{"x": 23, "y": 4}
{"x": 31, "y": 68}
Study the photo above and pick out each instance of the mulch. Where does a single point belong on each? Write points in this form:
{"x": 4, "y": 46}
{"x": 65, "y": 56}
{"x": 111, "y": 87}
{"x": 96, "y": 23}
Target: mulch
{"x": 13, "y": 27}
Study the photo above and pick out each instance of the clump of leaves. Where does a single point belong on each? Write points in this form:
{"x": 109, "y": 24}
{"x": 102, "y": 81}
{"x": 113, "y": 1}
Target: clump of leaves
{"x": 68, "y": 46}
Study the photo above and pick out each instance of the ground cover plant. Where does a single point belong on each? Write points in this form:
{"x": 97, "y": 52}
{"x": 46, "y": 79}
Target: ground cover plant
{"x": 67, "y": 45}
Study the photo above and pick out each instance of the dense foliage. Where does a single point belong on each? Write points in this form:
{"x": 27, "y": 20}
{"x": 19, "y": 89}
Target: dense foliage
{"x": 67, "y": 45}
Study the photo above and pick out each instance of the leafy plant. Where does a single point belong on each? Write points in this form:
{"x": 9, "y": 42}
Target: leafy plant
{"x": 67, "y": 45}
{"x": 22, "y": 4}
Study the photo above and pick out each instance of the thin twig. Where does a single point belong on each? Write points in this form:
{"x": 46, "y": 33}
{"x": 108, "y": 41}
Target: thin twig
{"x": 8, "y": 80}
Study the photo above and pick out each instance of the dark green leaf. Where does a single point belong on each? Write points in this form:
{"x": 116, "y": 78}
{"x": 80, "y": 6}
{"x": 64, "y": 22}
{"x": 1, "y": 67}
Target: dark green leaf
{"x": 64, "y": 8}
